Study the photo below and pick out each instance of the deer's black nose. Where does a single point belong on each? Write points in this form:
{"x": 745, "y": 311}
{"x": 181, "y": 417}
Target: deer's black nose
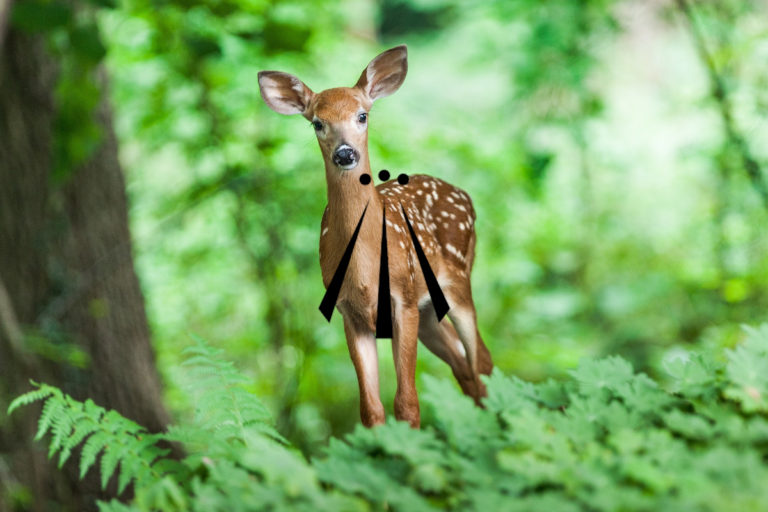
{"x": 345, "y": 156}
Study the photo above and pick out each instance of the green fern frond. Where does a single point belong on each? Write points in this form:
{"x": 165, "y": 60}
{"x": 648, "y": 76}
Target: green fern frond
{"x": 120, "y": 442}
{"x": 83, "y": 426}
{"x": 91, "y": 450}
{"x": 109, "y": 460}
{"x": 31, "y": 396}
{"x": 222, "y": 405}
{"x": 54, "y": 406}
{"x": 61, "y": 428}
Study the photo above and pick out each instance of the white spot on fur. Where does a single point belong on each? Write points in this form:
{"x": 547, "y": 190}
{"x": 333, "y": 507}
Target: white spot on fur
{"x": 451, "y": 249}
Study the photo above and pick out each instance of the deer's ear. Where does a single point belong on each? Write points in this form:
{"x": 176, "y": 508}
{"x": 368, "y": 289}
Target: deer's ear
{"x": 284, "y": 93}
{"x": 385, "y": 74}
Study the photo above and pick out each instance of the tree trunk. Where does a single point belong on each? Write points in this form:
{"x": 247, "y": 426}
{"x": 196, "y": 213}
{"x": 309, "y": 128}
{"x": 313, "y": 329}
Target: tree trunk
{"x": 66, "y": 278}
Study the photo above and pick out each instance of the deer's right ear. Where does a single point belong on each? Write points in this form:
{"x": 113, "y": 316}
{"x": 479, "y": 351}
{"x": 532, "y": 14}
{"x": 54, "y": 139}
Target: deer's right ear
{"x": 284, "y": 93}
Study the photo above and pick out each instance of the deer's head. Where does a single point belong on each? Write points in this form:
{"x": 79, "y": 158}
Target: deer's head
{"x": 339, "y": 116}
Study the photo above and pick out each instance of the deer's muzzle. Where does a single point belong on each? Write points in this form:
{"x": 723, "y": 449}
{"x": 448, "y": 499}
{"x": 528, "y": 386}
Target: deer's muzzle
{"x": 345, "y": 156}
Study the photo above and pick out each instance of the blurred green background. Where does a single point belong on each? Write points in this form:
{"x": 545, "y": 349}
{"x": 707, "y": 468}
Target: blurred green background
{"x": 613, "y": 151}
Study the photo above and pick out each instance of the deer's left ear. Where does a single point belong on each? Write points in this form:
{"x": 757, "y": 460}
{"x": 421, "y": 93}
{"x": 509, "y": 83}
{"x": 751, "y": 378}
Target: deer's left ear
{"x": 385, "y": 74}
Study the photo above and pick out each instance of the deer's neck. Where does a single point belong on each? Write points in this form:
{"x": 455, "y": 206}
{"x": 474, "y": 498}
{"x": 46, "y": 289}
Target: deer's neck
{"x": 347, "y": 198}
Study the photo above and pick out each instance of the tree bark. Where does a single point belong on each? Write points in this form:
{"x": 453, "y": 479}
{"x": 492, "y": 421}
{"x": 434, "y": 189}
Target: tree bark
{"x": 67, "y": 275}
{"x": 5, "y": 13}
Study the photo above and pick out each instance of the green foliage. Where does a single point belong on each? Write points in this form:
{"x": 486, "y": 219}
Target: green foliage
{"x": 70, "y": 30}
{"x": 607, "y": 439}
{"x": 748, "y": 372}
{"x": 104, "y": 435}
{"x": 612, "y": 218}
{"x": 604, "y": 223}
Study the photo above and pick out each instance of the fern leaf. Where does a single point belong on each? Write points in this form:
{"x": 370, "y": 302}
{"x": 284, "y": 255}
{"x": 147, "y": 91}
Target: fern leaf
{"x": 93, "y": 446}
{"x": 114, "y": 506}
{"x": 128, "y": 469}
{"x": 223, "y": 407}
{"x": 52, "y": 408}
{"x": 32, "y": 396}
{"x": 82, "y": 429}
{"x": 61, "y": 428}
{"x": 109, "y": 461}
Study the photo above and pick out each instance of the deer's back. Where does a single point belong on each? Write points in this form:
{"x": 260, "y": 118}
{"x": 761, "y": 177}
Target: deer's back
{"x": 441, "y": 215}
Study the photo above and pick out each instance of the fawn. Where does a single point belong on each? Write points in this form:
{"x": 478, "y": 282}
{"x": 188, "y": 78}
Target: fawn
{"x": 442, "y": 218}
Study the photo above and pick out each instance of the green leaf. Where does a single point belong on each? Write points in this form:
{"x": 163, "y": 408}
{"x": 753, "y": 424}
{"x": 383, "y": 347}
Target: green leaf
{"x": 201, "y": 46}
{"x": 40, "y": 16}
{"x": 87, "y": 44}
{"x": 279, "y": 36}
{"x": 509, "y": 393}
{"x": 30, "y": 397}
{"x": 692, "y": 375}
{"x": 747, "y": 371}
{"x": 51, "y": 409}
{"x": 465, "y": 425}
{"x": 109, "y": 461}
{"x": 93, "y": 446}
{"x": 602, "y": 375}
{"x": 109, "y": 4}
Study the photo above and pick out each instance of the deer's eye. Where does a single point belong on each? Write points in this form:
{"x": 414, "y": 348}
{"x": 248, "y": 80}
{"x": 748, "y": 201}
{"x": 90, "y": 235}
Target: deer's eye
{"x": 362, "y": 118}
{"x": 317, "y": 125}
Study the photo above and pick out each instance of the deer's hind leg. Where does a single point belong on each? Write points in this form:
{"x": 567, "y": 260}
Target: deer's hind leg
{"x": 442, "y": 340}
{"x": 464, "y": 318}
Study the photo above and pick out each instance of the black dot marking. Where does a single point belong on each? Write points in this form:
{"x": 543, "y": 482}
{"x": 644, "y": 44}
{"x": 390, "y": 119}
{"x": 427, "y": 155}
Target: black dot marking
{"x": 403, "y": 179}
{"x": 365, "y": 179}
{"x": 383, "y": 175}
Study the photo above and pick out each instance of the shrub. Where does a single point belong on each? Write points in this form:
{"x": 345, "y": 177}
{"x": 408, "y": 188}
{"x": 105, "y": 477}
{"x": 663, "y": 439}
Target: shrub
{"x": 607, "y": 439}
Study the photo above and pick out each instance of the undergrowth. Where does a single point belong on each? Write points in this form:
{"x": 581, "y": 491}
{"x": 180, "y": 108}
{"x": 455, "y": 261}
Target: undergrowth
{"x": 607, "y": 439}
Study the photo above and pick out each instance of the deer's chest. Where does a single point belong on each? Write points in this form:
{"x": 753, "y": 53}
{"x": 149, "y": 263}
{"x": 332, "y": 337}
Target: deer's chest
{"x": 358, "y": 296}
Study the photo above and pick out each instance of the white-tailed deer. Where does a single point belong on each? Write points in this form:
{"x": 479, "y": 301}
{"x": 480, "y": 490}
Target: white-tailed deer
{"x": 441, "y": 215}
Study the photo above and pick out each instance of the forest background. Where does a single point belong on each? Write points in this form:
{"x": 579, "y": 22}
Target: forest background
{"x": 614, "y": 152}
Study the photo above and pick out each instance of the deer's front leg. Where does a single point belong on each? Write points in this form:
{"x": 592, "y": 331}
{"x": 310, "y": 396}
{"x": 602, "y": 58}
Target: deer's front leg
{"x": 362, "y": 349}
{"x": 404, "y": 343}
